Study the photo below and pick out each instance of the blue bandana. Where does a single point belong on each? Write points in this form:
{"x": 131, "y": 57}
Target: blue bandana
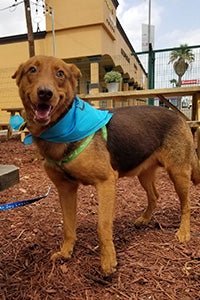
{"x": 79, "y": 122}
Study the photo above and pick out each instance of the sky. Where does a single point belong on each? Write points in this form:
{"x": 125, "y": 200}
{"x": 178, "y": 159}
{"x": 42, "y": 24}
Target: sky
{"x": 176, "y": 21}
{"x": 12, "y": 17}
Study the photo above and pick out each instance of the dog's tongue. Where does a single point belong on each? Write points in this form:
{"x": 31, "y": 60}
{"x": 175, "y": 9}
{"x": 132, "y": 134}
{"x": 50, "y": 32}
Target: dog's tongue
{"x": 43, "y": 112}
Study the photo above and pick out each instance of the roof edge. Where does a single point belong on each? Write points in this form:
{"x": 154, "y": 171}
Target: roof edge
{"x": 116, "y": 3}
{"x": 21, "y": 38}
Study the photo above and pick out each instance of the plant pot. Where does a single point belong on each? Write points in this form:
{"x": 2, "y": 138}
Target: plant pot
{"x": 113, "y": 86}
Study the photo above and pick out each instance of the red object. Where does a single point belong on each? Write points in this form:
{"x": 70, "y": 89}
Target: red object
{"x": 190, "y": 81}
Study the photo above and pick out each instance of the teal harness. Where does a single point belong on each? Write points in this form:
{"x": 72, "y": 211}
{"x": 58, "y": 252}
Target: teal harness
{"x": 77, "y": 151}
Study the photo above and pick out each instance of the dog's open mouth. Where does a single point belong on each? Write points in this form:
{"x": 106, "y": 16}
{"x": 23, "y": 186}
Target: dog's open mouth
{"x": 43, "y": 112}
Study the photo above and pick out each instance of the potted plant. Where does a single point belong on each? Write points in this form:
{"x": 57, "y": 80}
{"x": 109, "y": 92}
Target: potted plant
{"x": 112, "y": 80}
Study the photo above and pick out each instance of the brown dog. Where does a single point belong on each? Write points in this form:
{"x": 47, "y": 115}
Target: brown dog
{"x": 140, "y": 139}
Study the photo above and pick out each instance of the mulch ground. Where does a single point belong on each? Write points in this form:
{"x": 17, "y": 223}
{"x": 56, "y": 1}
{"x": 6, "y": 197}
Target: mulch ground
{"x": 152, "y": 264}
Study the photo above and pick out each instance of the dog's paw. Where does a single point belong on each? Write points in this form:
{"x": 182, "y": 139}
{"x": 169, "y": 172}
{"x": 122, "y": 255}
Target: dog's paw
{"x": 60, "y": 254}
{"x": 65, "y": 252}
{"x": 141, "y": 221}
{"x": 108, "y": 268}
{"x": 183, "y": 235}
{"x": 108, "y": 260}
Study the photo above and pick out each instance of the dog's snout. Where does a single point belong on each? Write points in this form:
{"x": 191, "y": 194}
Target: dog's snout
{"x": 45, "y": 93}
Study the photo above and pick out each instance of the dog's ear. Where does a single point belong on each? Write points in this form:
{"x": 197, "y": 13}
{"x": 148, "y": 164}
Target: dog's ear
{"x": 75, "y": 71}
{"x": 75, "y": 74}
{"x": 18, "y": 74}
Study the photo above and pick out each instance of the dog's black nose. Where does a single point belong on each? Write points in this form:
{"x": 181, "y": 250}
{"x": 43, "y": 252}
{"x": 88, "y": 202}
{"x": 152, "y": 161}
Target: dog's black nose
{"x": 44, "y": 93}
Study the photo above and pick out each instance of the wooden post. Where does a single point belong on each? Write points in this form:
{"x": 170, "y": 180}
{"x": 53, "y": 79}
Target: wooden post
{"x": 196, "y": 107}
{"x": 29, "y": 28}
{"x": 9, "y": 175}
{"x": 94, "y": 77}
{"x": 196, "y": 116}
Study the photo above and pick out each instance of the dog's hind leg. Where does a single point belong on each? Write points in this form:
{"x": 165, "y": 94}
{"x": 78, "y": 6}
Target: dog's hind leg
{"x": 106, "y": 198}
{"x": 147, "y": 179}
{"x": 181, "y": 179}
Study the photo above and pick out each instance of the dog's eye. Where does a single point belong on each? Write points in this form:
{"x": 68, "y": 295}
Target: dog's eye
{"x": 60, "y": 74}
{"x": 32, "y": 70}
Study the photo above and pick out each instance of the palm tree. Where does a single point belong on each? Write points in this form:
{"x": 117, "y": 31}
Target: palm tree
{"x": 181, "y": 59}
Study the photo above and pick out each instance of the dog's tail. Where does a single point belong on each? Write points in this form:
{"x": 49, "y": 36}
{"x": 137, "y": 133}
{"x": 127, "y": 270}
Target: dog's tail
{"x": 195, "y": 177}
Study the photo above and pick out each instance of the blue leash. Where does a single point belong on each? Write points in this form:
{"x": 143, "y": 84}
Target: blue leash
{"x": 23, "y": 202}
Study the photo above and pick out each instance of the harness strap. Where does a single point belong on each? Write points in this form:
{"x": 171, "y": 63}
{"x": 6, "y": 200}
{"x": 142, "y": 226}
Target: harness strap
{"x": 77, "y": 151}
{"x": 104, "y": 132}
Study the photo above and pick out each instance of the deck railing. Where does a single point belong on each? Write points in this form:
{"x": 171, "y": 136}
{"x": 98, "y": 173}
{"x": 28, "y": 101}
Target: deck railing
{"x": 135, "y": 97}
{"x": 139, "y": 97}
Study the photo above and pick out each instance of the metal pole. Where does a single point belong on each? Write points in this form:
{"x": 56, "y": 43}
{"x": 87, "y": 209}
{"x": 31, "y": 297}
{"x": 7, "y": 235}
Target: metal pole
{"x": 53, "y": 30}
{"x": 149, "y": 24}
{"x": 151, "y": 57}
{"x": 149, "y": 47}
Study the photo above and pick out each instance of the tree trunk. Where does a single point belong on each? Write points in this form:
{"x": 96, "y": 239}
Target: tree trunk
{"x": 179, "y": 99}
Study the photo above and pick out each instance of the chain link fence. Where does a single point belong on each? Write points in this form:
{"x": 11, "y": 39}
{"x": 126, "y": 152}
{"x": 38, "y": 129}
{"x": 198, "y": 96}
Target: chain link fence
{"x": 165, "y": 76}
{"x": 164, "y": 72}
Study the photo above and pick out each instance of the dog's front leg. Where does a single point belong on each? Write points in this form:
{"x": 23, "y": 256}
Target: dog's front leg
{"x": 68, "y": 199}
{"x": 106, "y": 197}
